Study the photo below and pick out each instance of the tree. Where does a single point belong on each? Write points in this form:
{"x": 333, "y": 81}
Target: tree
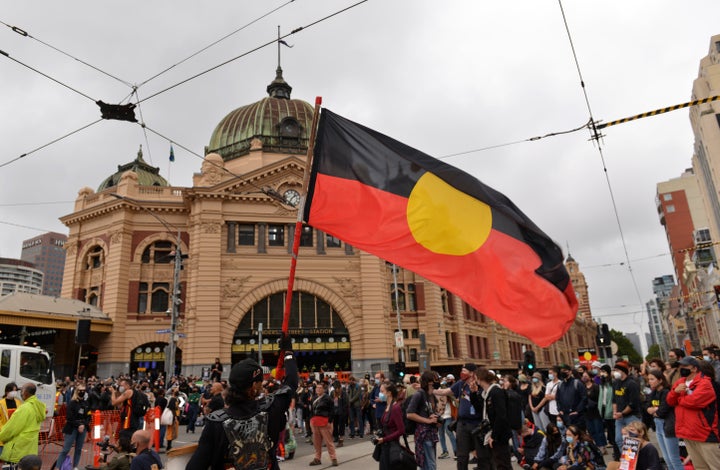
{"x": 625, "y": 347}
{"x": 653, "y": 351}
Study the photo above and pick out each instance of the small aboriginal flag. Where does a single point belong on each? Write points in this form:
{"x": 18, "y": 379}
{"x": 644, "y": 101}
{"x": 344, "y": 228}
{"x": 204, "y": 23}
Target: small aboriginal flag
{"x": 431, "y": 218}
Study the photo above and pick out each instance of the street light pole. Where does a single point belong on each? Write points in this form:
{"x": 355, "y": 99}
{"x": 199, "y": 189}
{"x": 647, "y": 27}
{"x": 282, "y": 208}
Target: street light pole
{"x": 175, "y": 299}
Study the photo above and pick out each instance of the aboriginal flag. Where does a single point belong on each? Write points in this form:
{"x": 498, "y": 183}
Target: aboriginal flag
{"x": 431, "y": 218}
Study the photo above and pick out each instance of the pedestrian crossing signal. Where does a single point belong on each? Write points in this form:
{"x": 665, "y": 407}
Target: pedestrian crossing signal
{"x": 529, "y": 362}
{"x": 400, "y": 369}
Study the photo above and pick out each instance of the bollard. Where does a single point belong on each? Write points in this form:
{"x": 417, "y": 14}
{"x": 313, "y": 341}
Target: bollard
{"x": 97, "y": 432}
{"x": 156, "y": 433}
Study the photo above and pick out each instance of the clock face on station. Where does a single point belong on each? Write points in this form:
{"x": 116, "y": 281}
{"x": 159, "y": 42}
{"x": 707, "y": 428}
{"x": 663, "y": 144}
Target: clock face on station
{"x": 292, "y": 197}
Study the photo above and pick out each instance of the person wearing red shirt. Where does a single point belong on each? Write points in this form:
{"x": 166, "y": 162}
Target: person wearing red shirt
{"x": 696, "y": 416}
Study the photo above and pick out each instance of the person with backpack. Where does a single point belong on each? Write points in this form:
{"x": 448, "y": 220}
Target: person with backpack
{"x": 571, "y": 398}
{"x": 494, "y": 429}
{"x": 515, "y": 414}
{"x": 124, "y": 396}
{"x": 245, "y": 434}
{"x": 421, "y": 410}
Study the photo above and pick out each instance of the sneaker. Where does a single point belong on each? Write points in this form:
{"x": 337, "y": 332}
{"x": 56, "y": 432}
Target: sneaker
{"x": 513, "y": 458}
{"x": 315, "y": 462}
{"x": 334, "y": 463}
{"x": 444, "y": 455}
{"x": 473, "y": 460}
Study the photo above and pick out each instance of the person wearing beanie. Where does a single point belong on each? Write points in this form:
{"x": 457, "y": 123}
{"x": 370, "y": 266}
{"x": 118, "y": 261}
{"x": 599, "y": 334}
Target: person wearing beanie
{"x": 626, "y": 400}
{"x": 245, "y": 414}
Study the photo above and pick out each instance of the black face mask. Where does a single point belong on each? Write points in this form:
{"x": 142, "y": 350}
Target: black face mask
{"x": 436, "y": 385}
{"x": 685, "y": 372}
{"x": 564, "y": 375}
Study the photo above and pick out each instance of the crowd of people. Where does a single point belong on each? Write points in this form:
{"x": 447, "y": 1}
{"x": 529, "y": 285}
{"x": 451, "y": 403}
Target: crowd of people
{"x": 585, "y": 417}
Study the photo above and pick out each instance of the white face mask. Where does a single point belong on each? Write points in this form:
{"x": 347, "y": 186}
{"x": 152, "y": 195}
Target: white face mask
{"x": 12, "y": 394}
{"x": 617, "y": 375}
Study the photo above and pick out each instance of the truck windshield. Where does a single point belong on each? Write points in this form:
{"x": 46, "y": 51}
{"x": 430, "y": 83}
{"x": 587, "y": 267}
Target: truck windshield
{"x": 35, "y": 366}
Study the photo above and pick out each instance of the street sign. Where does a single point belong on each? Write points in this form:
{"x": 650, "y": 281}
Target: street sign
{"x": 162, "y": 331}
{"x": 399, "y": 341}
{"x": 496, "y": 355}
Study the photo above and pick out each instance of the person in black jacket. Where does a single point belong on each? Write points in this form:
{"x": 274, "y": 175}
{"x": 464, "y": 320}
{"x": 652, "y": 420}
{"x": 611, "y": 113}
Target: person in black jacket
{"x": 664, "y": 416}
{"x": 323, "y": 408}
{"x": 341, "y": 411}
{"x": 245, "y": 385}
{"x": 75, "y": 429}
{"x": 495, "y": 451}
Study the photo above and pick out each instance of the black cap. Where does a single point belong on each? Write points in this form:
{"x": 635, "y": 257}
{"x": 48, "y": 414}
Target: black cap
{"x": 244, "y": 373}
{"x": 471, "y": 366}
{"x": 689, "y": 361}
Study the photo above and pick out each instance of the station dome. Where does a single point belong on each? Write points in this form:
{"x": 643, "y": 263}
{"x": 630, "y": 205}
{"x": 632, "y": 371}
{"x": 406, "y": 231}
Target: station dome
{"x": 147, "y": 175}
{"x": 276, "y": 123}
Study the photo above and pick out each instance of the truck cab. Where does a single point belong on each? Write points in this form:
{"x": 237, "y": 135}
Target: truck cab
{"x": 23, "y": 364}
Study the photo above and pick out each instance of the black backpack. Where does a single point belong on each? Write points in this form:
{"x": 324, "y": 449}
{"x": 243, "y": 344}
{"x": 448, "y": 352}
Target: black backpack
{"x": 140, "y": 404}
{"x": 409, "y": 424}
{"x": 249, "y": 444}
{"x": 514, "y": 409}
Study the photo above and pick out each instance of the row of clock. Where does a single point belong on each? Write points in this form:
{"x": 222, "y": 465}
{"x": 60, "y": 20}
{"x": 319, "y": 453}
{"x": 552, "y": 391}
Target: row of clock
{"x": 304, "y": 340}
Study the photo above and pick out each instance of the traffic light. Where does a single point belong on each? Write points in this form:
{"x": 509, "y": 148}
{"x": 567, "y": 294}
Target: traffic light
{"x": 400, "y": 370}
{"x": 529, "y": 362}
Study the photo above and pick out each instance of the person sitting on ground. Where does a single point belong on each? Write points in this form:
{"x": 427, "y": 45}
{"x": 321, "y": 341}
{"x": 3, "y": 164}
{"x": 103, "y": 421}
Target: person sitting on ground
{"x": 121, "y": 460}
{"x": 532, "y": 439}
{"x": 551, "y": 449}
{"x": 30, "y": 462}
{"x": 647, "y": 455}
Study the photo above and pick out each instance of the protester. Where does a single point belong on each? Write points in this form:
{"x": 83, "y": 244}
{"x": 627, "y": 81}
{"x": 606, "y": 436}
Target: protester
{"x": 340, "y": 410}
{"x": 245, "y": 384}
{"x": 145, "y": 457}
{"x": 537, "y": 394}
{"x": 696, "y": 417}
{"x": 121, "y": 459}
{"x": 421, "y": 409}
{"x": 551, "y": 389}
{"x": 355, "y": 418}
{"x": 9, "y": 403}
{"x": 122, "y": 398}
{"x": 216, "y": 371}
{"x": 495, "y": 450}
{"x": 626, "y": 399}
{"x": 21, "y": 433}
{"x": 592, "y": 412}
{"x": 172, "y": 429}
{"x": 605, "y": 398}
{"x": 193, "y": 408}
{"x": 647, "y": 457}
{"x": 75, "y": 429}
{"x": 571, "y": 398}
{"x": 446, "y": 405}
{"x": 664, "y": 416}
{"x": 532, "y": 439}
{"x": 377, "y": 404}
{"x": 321, "y": 423}
{"x": 469, "y": 416}
{"x": 672, "y": 373}
{"x": 551, "y": 449}
{"x": 579, "y": 454}
{"x": 391, "y": 424}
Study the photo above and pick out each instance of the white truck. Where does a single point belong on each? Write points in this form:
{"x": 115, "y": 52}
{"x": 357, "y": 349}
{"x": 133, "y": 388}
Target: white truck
{"x": 23, "y": 364}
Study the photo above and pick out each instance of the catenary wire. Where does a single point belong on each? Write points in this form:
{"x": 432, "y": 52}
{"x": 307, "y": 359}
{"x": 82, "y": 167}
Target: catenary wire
{"x": 24, "y": 33}
{"x": 50, "y": 143}
{"x": 25, "y": 226}
{"x": 142, "y": 124}
{"x": 597, "y": 137}
{"x": 45, "y": 203}
{"x": 216, "y": 42}
{"x": 47, "y": 76}
{"x": 255, "y": 49}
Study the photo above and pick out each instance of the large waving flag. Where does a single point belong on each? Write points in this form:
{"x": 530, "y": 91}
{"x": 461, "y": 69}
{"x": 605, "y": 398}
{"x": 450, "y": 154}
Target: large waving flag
{"x": 406, "y": 207}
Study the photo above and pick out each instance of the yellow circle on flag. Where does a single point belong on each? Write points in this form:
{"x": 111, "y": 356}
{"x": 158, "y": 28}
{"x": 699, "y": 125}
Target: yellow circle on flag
{"x": 447, "y": 221}
{"x": 587, "y": 355}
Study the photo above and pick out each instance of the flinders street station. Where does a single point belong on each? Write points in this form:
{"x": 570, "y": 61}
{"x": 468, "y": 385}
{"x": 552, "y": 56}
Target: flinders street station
{"x": 235, "y": 227}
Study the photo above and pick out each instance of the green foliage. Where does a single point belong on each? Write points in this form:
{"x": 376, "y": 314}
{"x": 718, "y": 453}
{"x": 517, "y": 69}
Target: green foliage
{"x": 653, "y": 351}
{"x": 625, "y": 347}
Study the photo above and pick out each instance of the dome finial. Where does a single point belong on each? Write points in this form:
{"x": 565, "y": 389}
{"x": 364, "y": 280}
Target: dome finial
{"x": 279, "y": 88}
{"x": 140, "y": 154}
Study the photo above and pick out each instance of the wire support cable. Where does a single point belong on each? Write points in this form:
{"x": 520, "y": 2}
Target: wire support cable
{"x": 24, "y": 33}
{"x": 216, "y": 42}
{"x": 255, "y": 49}
{"x": 49, "y": 143}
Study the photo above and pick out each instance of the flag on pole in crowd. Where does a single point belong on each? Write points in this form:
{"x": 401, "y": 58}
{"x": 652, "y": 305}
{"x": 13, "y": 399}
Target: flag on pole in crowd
{"x": 395, "y": 202}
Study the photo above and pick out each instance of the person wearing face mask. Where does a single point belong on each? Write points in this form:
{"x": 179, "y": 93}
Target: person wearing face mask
{"x": 696, "y": 417}
{"x": 243, "y": 414}
{"x": 535, "y": 401}
{"x": 647, "y": 457}
{"x": 551, "y": 449}
{"x": 571, "y": 398}
{"x": 672, "y": 373}
{"x": 664, "y": 416}
{"x": 549, "y": 403}
{"x": 492, "y": 402}
{"x": 75, "y": 429}
{"x": 605, "y": 398}
{"x": 592, "y": 412}
{"x": 122, "y": 398}
{"x": 579, "y": 453}
{"x": 710, "y": 354}
{"x": 626, "y": 399}
{"x": 468, "y": 416}
{"x": 9, "y": 403}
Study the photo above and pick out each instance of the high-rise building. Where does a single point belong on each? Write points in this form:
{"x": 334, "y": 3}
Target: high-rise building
{"x": 19, "y": 276}
{"x": 705, "y": 122}
{"x": 47, "y": 253}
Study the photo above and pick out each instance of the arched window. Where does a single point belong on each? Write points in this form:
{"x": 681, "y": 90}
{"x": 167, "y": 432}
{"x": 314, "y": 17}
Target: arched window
{"x": 307, "y": 312}
{"x": 94, "y": 258}
{"x": 159, "y": 252}
{"x": 153, "y": 298}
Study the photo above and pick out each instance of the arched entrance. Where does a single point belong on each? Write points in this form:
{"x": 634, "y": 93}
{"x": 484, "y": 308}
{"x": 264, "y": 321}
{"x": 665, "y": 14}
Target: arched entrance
{"x": 148, "y": 360}
{"x": 321, "y": 339}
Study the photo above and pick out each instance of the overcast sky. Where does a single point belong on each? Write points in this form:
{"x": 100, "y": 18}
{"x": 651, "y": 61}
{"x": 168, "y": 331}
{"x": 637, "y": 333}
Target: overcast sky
{"x": 444, "y": 78}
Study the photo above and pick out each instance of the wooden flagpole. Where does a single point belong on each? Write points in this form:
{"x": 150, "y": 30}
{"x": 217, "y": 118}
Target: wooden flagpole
{"x": 298, "y": 230}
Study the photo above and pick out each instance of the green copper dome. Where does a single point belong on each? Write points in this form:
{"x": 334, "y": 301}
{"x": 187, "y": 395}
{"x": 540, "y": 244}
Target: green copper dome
{"x": 280, "y": 124}
{"x": 147, "y": 175}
